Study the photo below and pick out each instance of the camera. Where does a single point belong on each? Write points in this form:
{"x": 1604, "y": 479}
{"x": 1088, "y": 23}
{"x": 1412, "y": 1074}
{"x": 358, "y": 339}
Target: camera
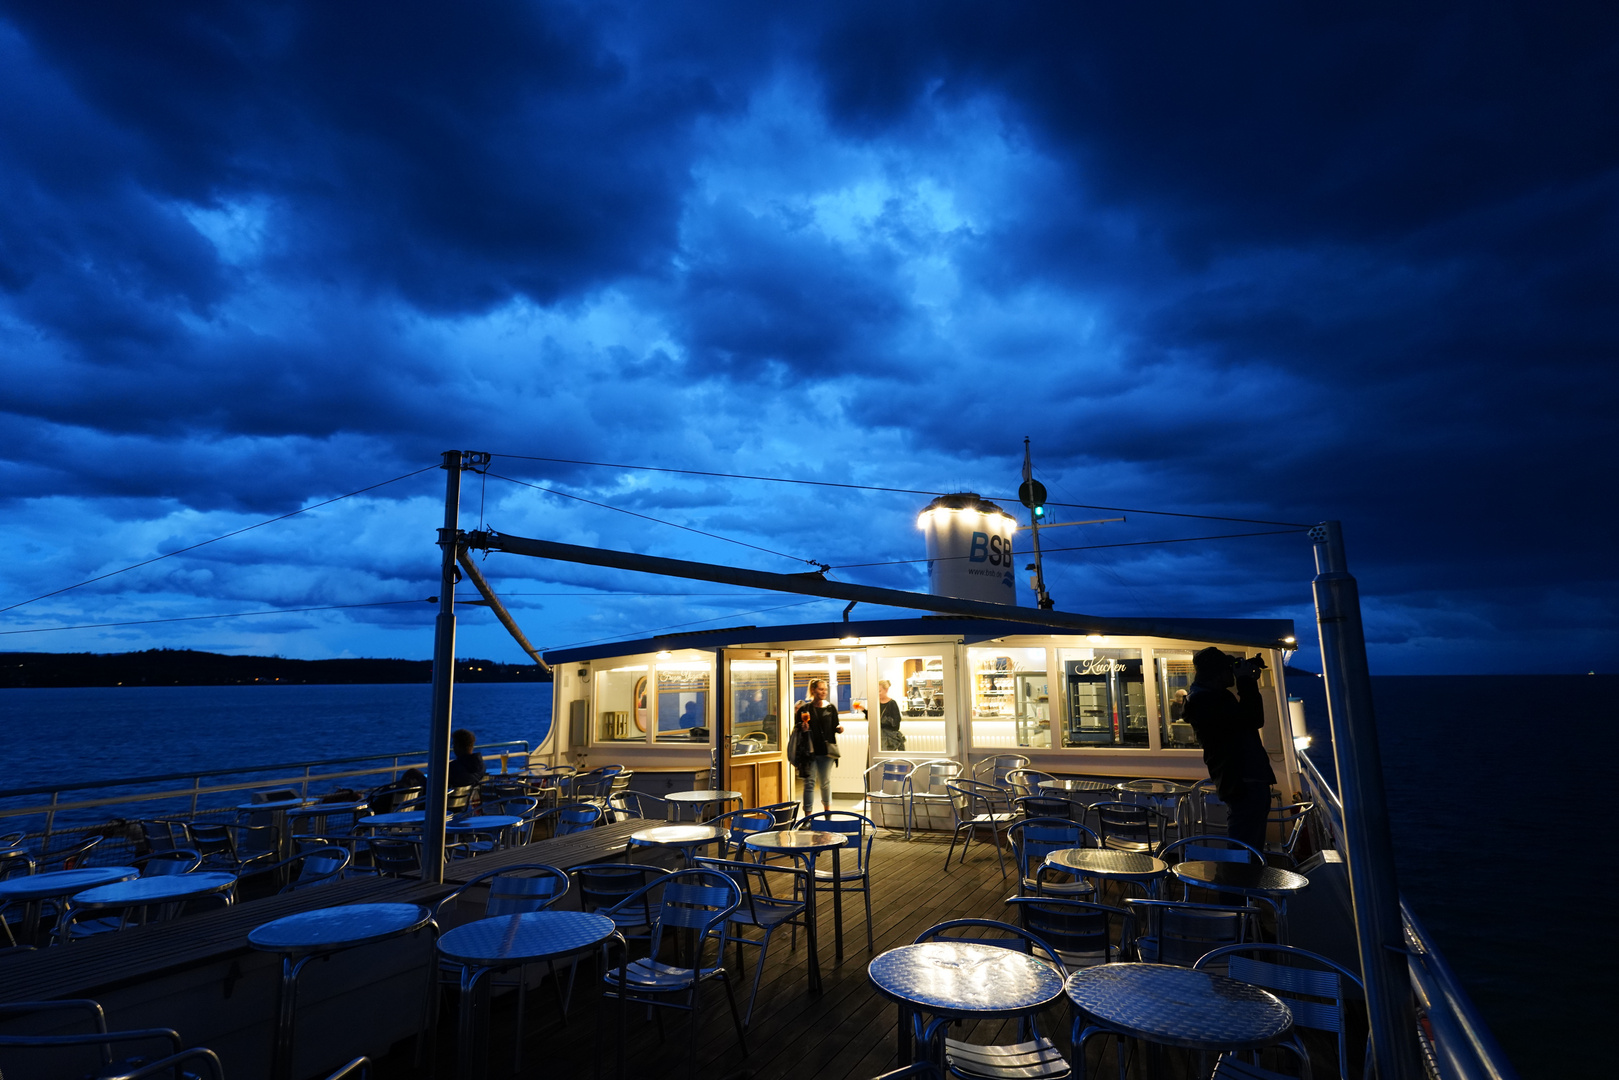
{"x": 1251, "y": 667}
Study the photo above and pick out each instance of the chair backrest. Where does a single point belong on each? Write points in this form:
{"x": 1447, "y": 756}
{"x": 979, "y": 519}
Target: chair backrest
{"x": 1044, "y": 806}
{"x": 971, "y": 798}
{"x": 1311, "y": 985}
{"x": 513, "y": 806}
{"x": 1026, "y": 781}
{"x": 1034, "y": 838}
{"x": 69, "y": 857}
{"x": 1209, "y": 849}
{"x": 172, "y": 861}
{"x": 1128, "y": 825}
{"x": 394, "y": 857}
{"x": 753, "y": 879}
{"x": 639, "y": 804}
{"x": 994, "y": 933}
{"x": 1183, "y": 931}
{"x": 1083, "y": 932}
{"x": 993, "y": 770}
{"x": 573, "y": 819}
{"x": 933, "y": 777}
{"x": 605, "y": 885}
{"x": 745, "y": 823}
{"x": 859, "y": 829}
{"x": 888, "y": 779}
{"x": 163, "y": 834}
{"x": 697, "y": 902}
{"x": 516, "y": 889}
{"x": 316, "y": 866}
{"x": 785, "y": 813}
{"x": 1290, "y": 819}
{"x": 458, "y": 799}
{"x": 15, "y": 862}
{"x": 211, "y": 838}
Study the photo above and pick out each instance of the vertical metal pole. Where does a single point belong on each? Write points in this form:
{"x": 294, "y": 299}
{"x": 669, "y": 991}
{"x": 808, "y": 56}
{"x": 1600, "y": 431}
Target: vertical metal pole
{"x": 438, "y": 735}
{"x": 1373, "y": 884}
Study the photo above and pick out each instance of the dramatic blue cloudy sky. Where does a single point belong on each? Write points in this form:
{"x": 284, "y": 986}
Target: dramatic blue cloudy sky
{"x": 1257, "y": 261}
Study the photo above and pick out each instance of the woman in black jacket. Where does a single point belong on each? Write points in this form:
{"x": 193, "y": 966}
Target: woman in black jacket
{"x": 817, "y": 720}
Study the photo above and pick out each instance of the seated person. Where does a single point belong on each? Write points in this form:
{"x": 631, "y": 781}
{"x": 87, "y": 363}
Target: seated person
{"x": 466, "y": 767}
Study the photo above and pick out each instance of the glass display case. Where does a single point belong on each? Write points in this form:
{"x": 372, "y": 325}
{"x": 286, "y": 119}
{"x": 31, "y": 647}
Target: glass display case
{"x": 1107, "y": 701}
{"x": 1011, "y": 697}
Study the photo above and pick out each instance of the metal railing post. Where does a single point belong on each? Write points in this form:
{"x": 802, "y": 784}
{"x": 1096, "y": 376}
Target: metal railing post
{"x": 1368, "y": 845}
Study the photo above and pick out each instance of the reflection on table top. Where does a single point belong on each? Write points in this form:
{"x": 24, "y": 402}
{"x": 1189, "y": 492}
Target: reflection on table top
{"x": 530, "y": 935}
{"x": 963, "y": 978}
{"x": 63, "y": 882}
{"x": 1240, "y": 877}
{"x": 1076, "y": 785}
{"x": 398, "y": 817}
{"x": 1154, "y": 787}
{"x": 156, "y": 890}
{"x": 1178, "y": 1006}
{"x": 1106, "y": 862}
{"x": 483, "y": 823}
{"x": 678, "y": 834}
{"x": 703, "y": 796}
{"x": 335, "y": 927}
{"x": 796, "y": 840}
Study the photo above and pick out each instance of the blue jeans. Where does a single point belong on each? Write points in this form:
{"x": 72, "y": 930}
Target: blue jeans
{"x": 819, "y": 774}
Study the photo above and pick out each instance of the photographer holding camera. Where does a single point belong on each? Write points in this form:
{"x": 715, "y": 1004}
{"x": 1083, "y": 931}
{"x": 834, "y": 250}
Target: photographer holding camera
{"x": 1228, "y": 730}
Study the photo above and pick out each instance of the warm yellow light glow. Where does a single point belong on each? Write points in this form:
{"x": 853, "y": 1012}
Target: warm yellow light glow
{"x": 1290, "y": 640}
{"x": 1301, "y": 743}
{"x": 664, "y": 656}
{"x": 1095, "y": 639}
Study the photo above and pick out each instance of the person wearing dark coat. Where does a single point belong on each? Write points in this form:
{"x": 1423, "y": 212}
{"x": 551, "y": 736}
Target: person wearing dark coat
{"x": 816, "y": 723}
{"x": 466, "y": 767}
{"x": 1228, "y": 729}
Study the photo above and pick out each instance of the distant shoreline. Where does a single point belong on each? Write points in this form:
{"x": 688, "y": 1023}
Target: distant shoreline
{"x": 186, "y": 667}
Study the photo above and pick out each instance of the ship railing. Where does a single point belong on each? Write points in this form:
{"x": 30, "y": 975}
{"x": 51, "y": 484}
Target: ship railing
{"x": 1456, "y": 1042}
{"x": 70, "y": 808}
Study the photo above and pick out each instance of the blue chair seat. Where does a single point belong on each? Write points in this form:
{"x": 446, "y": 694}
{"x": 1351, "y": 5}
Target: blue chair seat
{"x": 655, "y": 975}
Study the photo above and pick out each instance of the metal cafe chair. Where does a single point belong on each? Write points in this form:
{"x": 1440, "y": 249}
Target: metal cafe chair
{"x": 888, "y": 791}
{"x": 638, "y": 804}
{"x": 930, "y": 793}
{"x": 604, "y": 886}
{"x": 860, "y": 830}
{"x": 973, "y": 806}
{"x": 762, "y": 909}
{"x": 512, "y": 891}
{"x": 1027, "y": 781}
{"x": 69, "y": 1055}
{"x": 1129, "y": 827}
{"x": 310, "y": 867}
{"x": 1208, "y": 849}
{"x": 741, "y": 824}
{"x": 1314, "y": 989}
{"x": 1083, "y": 932}
{"x": 1177, "y": 932}
{"x": 242, "y": 848}
{"x": 1044, "y": 806}
{"x": 1289, "y": 819}
{"x": 996, "y": 771}
{"x": 394, "y": 857}
{"x": 694, "y": 907}
{"x": 1033, "y": 1056}
{"x": 1032, "y": 839}
{"x": 68, "y": 857}
{"x": 573, "y": 818}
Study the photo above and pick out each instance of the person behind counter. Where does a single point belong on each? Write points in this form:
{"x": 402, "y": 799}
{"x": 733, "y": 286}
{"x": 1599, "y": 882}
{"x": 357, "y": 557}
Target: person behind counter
{"x": 888, "y": 717}
{"x": 1228, "y": 730}
{"x": 466, "y": 767}
{"x": 817, "y": 727}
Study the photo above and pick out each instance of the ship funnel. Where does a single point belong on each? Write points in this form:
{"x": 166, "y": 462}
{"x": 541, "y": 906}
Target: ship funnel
{"x": 969, "y": 547}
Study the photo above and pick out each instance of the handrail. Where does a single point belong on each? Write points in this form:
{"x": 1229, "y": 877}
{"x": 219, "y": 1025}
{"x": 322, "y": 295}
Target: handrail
{"x": 1461, "y": 1043}
{"x": 130, "y": 781}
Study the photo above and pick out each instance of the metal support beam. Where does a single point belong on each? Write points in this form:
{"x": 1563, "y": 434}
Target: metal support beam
{"x": 499, "y": 608}
{"x": 438, "y": 733}
{"x": 1373, "y": 885}
{"x": 816, "y": 585}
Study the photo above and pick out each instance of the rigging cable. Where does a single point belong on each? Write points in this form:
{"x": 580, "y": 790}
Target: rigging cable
{"x": 892, "y": 490}
{"x": 1086, "y": 547}
{"x": 659, "y": 521}
{"x": 215, "y": 540}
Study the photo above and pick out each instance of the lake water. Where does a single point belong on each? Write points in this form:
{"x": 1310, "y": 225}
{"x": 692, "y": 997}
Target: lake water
{"x": 1489, "y": 788}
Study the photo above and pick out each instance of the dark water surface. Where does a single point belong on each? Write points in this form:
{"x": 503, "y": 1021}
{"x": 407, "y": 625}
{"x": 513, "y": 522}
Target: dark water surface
{"x": 1498, "y": 803}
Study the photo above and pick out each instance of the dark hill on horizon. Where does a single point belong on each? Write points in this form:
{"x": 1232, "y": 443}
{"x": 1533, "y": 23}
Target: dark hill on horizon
{"x": 186, "y": 667}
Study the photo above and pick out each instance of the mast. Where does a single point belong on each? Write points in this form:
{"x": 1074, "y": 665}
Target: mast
{"x": 1373, "y": 885}
{"x": 1032, "y": 493}
{"x": 438, "y": 732}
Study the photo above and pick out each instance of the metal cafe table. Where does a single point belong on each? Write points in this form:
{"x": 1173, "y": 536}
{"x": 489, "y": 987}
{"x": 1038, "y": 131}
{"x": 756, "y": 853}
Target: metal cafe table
{"x": 960, "y": 980}
{"x": 1159, "y": 791}
{"x": 503, "y": 941}
{"x": 700, "y": 799}
{"x": 1175, "y": 1006}
{"x": 144, "y": 893}
{"x": 1106, "y": 864}
{"x": 1246, "y": 879}
{"x": 302, "y": 937}
{"x": 54, "y": 885}
{"x": 684, "y": 837}
{"x": 483, "y": 823}
{"x": 805, "y": 845}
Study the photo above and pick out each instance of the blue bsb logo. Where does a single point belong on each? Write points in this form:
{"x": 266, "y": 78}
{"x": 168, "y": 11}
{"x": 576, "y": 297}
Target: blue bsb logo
{"x": 992, "y": 549}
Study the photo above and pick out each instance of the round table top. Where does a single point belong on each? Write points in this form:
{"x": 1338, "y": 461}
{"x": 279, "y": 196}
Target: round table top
{"x": 332, "y": 807}
{"x": 64, "y": 882}
{"x": 703, "y": 796}
{"x": 278, "y": 804}
{"x": 797, "y": 840}
{"x": 531, "y": 935}
{"x": 155, "y": 890}
{"x": 1179, "y": 1006}
{"x": 1075, "y": 785}
{"x": 398, "y": 817}
{"x": 483, "y": 823}
{"x": 338, "y": 927}
{"x": 1243, "y": 878}
{"x": 960, "y": 978}
{"x": 1154, "y": 787}
{"x": 1105, "y": 862}
{"x": 678, "y": 834}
